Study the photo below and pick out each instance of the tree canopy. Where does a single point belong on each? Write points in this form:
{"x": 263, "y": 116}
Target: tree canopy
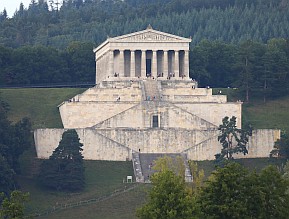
{"x": 234, "y": 140}
{"x": 64, "y": 170}
{"x": 231, "y": 191}
{"x": 234, "y": 192}
{"x": 92, "y": 21}
{"x": 169, "y": 198}
{"x": 281, "y": 147}
{"x": 14, "y": 140}
{"x": 13, "y": 207}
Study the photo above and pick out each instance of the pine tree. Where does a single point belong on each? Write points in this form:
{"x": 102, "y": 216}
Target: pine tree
{"x": 64, "y": 170}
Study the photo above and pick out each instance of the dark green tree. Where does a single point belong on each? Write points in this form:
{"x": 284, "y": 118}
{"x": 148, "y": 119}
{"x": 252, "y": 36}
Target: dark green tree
{"x": 7, "y": 182}
{"x": 281, "y": 147}
{"x": 64, "y": 170}
{"x": 244, "y": 67}
{"x": 14, "y": 140}
{"x": 233, "y": 139}
{"x": 274, "y": 193}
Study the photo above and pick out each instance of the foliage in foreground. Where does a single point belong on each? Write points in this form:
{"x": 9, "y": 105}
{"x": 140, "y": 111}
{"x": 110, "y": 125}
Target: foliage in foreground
{"x": 64, "y": 170}
{"x": 230, "y": 192}
{"x": 169, "y": 198}
{"x": 13, "y": 207}
{"x": 234, "y": 192}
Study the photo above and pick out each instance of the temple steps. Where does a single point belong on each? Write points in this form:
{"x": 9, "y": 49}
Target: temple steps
{"x": 145, "y": 161}
{"x": 151, "y": 90}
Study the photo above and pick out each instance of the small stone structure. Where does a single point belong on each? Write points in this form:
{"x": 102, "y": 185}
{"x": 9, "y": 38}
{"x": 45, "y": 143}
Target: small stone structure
{"x": 144, "y": 102}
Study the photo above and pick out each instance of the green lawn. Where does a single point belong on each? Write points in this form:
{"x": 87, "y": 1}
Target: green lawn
{"x": 39, "y": 104}
{"x": 273, "y": 114}
{"x": 119, "y": 207}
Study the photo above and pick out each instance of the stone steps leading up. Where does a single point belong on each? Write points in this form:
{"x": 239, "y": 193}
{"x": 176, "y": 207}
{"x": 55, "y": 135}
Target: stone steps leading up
{"x": 147, "y": 162}
{"x": 151, "y": 90}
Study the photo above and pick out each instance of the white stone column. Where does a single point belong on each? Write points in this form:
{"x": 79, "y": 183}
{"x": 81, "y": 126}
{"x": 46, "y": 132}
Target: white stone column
{"x": 111, "y": 63}
{"x": 176, "y": 65}
{"x": 186, "y": 64}
{"x": 165, "y": 64}
{"x": 154, "y": 64}
{"x": 132, "y": 63}
{"x": 121, "y": 63}
{"x": 143, "y": 63}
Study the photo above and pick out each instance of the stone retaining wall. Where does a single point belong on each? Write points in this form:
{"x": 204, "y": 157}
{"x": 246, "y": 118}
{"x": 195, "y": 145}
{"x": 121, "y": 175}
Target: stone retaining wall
{"x": 118, "y": 144}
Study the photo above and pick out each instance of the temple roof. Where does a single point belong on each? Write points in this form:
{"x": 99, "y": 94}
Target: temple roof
{"x": 149, "y": 35}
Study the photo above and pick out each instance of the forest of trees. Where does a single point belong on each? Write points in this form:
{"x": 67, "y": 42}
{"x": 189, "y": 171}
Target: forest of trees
{"x": 93, "y": 20}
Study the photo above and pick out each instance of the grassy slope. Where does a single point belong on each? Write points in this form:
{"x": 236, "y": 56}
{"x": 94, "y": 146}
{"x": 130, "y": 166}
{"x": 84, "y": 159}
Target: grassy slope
{"x": 104, "y": 177}
{"x": 272, "y": 114}
{"x": 122, "y": 206}
{"x": 40, "y": 105}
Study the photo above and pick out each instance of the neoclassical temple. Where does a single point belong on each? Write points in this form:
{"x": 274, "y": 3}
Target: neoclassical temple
{"x": 144, "y": 105}
{"x": 142, "y": 54}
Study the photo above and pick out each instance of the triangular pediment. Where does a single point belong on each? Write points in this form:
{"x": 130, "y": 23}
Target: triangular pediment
{"x": 149, "y": 35}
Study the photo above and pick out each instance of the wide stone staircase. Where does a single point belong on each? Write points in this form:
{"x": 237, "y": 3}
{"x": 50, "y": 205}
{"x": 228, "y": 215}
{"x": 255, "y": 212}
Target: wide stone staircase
{"x": 143, "y": 164}
{"x": 151, "y": 90}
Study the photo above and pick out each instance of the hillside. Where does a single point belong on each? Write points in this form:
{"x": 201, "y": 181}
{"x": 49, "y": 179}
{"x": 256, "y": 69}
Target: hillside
{"x": 40, "y": 105}
{"x": 106, "y": 178}
{"x": 94, "y": 20}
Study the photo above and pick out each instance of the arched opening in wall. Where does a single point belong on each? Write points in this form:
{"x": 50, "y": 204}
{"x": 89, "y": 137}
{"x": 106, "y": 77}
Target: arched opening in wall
{"x": 155, "y": 121}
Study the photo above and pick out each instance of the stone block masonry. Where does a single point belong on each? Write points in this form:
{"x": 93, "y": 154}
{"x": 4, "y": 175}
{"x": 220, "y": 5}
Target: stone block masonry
{"x": 119, "y": 144}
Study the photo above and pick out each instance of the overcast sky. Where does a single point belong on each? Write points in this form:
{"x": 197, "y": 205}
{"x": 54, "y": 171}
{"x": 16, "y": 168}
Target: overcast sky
{"x": 12, "y": 5}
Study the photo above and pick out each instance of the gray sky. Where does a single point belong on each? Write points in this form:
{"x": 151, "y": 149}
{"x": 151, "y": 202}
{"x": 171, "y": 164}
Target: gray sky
{"x": 12, "y": 5}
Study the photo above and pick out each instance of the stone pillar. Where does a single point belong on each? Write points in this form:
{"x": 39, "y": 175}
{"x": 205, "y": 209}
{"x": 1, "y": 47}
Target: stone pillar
{"x": 121, "y": 63}
{"x": 132, "y": 63}
{"x": 154, "y": 64}
{"x": 186, "y": 64}
{"x": 143, "y": 63}
{"x": 111, "y": 63}
{"x": 176, "y": 65}
{"x": 166, "y": 64}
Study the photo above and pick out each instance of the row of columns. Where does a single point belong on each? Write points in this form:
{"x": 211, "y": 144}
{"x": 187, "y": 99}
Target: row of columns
{"x": 154, "y": 64}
